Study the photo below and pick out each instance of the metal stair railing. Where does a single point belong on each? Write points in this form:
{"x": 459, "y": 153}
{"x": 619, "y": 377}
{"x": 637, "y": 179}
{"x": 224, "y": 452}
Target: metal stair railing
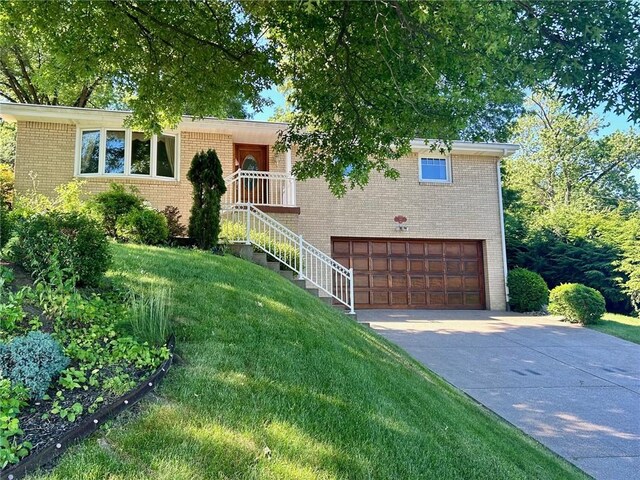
{"x": 244, "y": 223}
{"x": 260, "y": 188}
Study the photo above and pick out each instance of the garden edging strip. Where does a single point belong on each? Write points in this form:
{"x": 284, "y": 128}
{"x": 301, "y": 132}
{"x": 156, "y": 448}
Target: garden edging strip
{"x": 89, "y": 425}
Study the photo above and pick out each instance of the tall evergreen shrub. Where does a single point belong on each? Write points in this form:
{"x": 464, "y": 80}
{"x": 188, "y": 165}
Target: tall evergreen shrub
{"x": 208, "y": 187}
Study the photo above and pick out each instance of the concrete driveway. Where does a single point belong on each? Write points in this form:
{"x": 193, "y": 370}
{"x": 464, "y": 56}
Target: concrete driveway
{"x": 575, "y": 390}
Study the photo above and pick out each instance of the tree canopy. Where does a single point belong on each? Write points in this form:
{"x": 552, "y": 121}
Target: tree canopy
{"x": 363, "y": 78}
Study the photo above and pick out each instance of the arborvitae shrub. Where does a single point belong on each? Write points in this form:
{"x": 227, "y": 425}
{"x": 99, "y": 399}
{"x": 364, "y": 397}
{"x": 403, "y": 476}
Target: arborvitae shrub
{"x": 208, "y": 187}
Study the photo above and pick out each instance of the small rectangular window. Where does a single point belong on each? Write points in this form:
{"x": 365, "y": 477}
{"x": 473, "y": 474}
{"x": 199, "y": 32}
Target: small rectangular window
{"x": 140, "y": 154}
{"x": 114, "y": 156}
{"x": 90, "y": 151}
{"x": 166, "y": 156}
{"x": 434, "y": 170}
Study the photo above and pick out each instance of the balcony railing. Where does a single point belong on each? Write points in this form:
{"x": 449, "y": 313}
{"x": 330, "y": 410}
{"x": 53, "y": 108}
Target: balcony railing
{"x": 260, "y": 188}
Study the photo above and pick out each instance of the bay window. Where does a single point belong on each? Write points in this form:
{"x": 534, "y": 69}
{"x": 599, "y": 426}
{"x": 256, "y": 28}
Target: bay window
{"x": 123, "y": 152}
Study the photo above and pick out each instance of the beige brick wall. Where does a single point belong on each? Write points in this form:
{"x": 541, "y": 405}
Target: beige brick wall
{"x": 467, "y": 208}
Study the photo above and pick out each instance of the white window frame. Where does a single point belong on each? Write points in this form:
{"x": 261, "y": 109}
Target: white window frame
{"x": 128, "y": 136}
{"x": 447, "y": 161}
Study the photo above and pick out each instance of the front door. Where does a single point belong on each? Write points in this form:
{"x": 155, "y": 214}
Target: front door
{"x": 253, "y": 158}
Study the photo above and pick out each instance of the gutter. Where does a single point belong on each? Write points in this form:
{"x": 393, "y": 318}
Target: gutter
{"x": 505, "y": 270}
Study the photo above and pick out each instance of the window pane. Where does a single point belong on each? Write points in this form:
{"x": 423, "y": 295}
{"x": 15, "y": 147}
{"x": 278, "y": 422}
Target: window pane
{"x": 433, "y": 169}
{"x": 166, "y": 156}
{"x": 114, "y": 158}
{"x": 90, "y": 151}
{"x": 140, "y": 154}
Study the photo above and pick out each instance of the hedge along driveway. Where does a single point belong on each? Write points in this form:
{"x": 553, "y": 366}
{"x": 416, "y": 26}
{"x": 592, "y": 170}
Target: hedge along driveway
{"x": 575, "y": 390}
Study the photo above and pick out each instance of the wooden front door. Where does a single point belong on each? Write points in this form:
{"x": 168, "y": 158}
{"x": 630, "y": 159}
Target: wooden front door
{"x": 253, "y": 158}
{"x": 420, "y": 273}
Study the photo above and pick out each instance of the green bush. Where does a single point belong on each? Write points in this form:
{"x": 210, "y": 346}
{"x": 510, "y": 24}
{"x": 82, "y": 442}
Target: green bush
{"x": 70, "y": 243}
{"x": 13, "y": 397}
{"x": 6, "y": 226}
{"x": 528, "y": 292}
{"x": 143, "y": 226}
{"x": 115, "y": 203}
{"x": 577, "y": 303}
{"x": 33, "y": 360}
{"x": 205, "y": 174}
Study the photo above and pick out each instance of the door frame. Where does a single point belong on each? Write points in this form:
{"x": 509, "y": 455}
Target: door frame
{"x": 236, "y": 148}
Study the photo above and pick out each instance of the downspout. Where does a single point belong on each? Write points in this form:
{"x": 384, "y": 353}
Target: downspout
{"x": 502, "y": 234}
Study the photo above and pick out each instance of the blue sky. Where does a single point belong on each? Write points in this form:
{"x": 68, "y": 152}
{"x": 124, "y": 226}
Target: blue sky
{"x": 616, "y": 122}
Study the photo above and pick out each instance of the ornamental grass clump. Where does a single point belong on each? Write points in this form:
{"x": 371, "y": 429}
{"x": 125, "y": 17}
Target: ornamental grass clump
{"x": 151, "y": 316}
{"x": 33, "y": 361}
{"x": 577, "y": 303}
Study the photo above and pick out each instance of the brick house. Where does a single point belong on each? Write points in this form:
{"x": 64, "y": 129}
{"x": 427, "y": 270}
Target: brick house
{"x": 448, "y": 254}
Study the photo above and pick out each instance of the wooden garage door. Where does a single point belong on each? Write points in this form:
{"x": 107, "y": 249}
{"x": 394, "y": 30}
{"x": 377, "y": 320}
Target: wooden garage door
{"x": 391, "y": 273}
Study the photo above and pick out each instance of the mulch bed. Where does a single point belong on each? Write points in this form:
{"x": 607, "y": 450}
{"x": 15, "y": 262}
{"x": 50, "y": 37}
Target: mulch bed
{"x": 45, "y": 434}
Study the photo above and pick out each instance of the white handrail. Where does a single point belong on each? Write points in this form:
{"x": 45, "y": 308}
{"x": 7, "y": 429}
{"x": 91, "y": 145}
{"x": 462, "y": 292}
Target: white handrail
{"x": 244, "y": 223}
{"x": 260, "y": 188}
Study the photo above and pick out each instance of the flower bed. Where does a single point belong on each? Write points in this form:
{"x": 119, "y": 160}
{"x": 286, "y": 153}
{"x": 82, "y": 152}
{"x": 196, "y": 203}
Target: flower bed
{"x": 67, "y": 357}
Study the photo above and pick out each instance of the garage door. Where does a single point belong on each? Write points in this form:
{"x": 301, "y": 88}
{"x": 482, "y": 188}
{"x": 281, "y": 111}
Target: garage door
{"x": 391, "y": 273}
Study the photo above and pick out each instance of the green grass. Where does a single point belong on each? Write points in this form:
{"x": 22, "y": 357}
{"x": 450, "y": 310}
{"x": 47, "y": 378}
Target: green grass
{"x": 275, "y": 384}
{"x": 627, "y": 328}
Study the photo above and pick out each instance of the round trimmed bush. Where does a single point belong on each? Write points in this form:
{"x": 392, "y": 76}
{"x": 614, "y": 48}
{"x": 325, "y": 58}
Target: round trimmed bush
{"x": 143, "y": 226}
{"x": 114, "y": 204}
{"x": 70, "y": 243}
{"x": 528, "y": 292}
{"x": 577, "y": 303}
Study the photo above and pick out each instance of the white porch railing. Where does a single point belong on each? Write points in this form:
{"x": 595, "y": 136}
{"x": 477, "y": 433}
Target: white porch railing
{"x": 260, "y": 188}
{"x": 244, "y": 223}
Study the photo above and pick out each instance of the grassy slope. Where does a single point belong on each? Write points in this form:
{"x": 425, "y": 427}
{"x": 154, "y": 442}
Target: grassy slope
{"x": 267, "y": 366}
{"x": 621, "y": 326}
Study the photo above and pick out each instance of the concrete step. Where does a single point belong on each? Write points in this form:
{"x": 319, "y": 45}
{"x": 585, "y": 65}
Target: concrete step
{"x": 298, "y": 283}
{"x": 288, "y": 274}
{"x": 275, "y": 266}
{"x": 260, "y": 258}
{"x": 313, "y": 291}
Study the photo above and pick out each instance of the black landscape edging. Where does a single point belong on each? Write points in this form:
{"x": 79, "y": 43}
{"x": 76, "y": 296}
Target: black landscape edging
{"x": 90, "y": 424}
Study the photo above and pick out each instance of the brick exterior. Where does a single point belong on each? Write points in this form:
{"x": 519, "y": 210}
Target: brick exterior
{"x": 468, "y": 208}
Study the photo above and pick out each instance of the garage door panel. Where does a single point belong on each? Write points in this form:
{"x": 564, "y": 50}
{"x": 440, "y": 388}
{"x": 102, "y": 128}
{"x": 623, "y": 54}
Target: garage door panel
{"x": 434, "y": 249}
{"x": 360, "y": 280}
{"x": 380, "y": 264}
{"x": 417, "y": 265}
{"x": 344, "y": 261}
{"x": 340, "y": 247}
{"x": 360, "y": 264}
{"x": 360, "y": 248}
{"x": 453, "y": 282}
{"x": 398, "y": 264}
{"x": 399, "y": 299}
{"x": 418, "y": 282}
{"x": 399, "y": 281}
{"x": 470, "y": 250}
{"x": 435, "y": 266}
{"x": 418, "y": 299}
{"x": 398, "y": 248}
{"x": 379, "y": 248}
{"x": 413, "y": 273}
{"x": 379, "y": 298}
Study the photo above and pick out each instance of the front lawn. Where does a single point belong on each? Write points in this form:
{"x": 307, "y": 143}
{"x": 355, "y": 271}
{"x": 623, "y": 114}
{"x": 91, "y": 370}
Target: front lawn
{"x": 273, "y": 383}
{"x": 627, "y": 328}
